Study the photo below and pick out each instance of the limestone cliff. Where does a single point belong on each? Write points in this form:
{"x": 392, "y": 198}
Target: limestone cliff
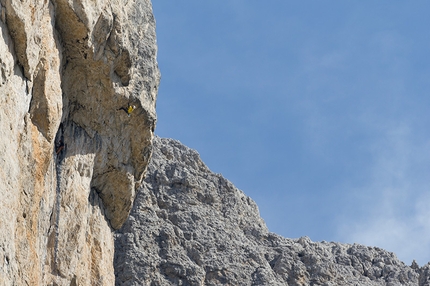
{"x": 189, "y": 226}
{"x": 78, "y": 85}
{"x": 71, "y": 155}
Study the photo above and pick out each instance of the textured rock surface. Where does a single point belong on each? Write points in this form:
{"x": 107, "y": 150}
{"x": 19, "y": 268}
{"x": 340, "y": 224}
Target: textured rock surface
{"x": 189, "y": 226}
{"x": 70, "y": 158}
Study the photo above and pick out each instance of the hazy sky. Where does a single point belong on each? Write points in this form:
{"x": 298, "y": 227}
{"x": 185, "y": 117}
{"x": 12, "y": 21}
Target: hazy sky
{"x": 318, "y": 110}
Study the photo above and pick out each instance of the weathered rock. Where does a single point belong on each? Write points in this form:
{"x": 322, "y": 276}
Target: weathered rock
{"x": 70, "y": 157}
{"x": 189, "y": 226}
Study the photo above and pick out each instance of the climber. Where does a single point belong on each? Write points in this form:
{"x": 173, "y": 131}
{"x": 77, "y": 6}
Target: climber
{"x": 61, "y": 147}
{"x": 59, "y": 139}
{"x": 128, "y": 110}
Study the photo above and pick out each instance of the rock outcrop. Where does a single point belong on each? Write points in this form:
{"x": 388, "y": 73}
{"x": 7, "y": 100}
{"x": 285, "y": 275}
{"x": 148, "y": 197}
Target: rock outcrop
{"x": 71, "y": 155}
{"x": 189, "y": 226}
{"x": 78, "y": 85}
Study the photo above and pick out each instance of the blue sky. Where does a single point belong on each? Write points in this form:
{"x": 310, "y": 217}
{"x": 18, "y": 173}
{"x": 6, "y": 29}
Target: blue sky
{"x": 318, "y": 110}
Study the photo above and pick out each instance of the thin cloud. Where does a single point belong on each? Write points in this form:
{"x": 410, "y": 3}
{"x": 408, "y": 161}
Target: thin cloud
{"x": 394, "y": 213}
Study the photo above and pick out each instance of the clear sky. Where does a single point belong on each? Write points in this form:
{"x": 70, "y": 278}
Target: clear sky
{"x": 318, "y": 110}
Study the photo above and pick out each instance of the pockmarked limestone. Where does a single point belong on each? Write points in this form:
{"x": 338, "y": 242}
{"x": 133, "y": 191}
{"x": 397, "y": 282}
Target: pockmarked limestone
{"x": 189, "y": 226}
{"x": 78, "y": 85}
{"x": 70, "y": 160}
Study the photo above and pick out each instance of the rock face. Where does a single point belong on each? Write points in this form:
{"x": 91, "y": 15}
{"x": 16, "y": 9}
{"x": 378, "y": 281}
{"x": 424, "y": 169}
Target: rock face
{"x": 78, "y": 85}
{"x": 189, "y": 226}
{"x": 70, "y": 154}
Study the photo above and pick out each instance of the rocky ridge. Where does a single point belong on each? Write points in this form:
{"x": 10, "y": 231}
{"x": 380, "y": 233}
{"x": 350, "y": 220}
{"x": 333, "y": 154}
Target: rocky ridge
{"x": 189, "y": 226}
{"x": 72, "y": 156}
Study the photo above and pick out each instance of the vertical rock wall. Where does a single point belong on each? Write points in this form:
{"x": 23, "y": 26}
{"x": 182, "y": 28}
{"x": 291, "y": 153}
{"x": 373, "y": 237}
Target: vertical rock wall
{"x": 70, "y": 155}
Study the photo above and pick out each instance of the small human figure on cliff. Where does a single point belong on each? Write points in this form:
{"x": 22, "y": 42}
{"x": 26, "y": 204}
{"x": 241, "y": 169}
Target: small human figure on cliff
{"x": 128, "y": 110}
{"x": 60, "y": 147}
{"x": 59, "y": 140}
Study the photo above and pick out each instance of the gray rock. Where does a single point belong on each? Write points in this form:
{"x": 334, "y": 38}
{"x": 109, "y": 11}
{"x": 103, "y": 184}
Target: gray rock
{"x": 189, "y": 226}
{"x": 71, "y": 155}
